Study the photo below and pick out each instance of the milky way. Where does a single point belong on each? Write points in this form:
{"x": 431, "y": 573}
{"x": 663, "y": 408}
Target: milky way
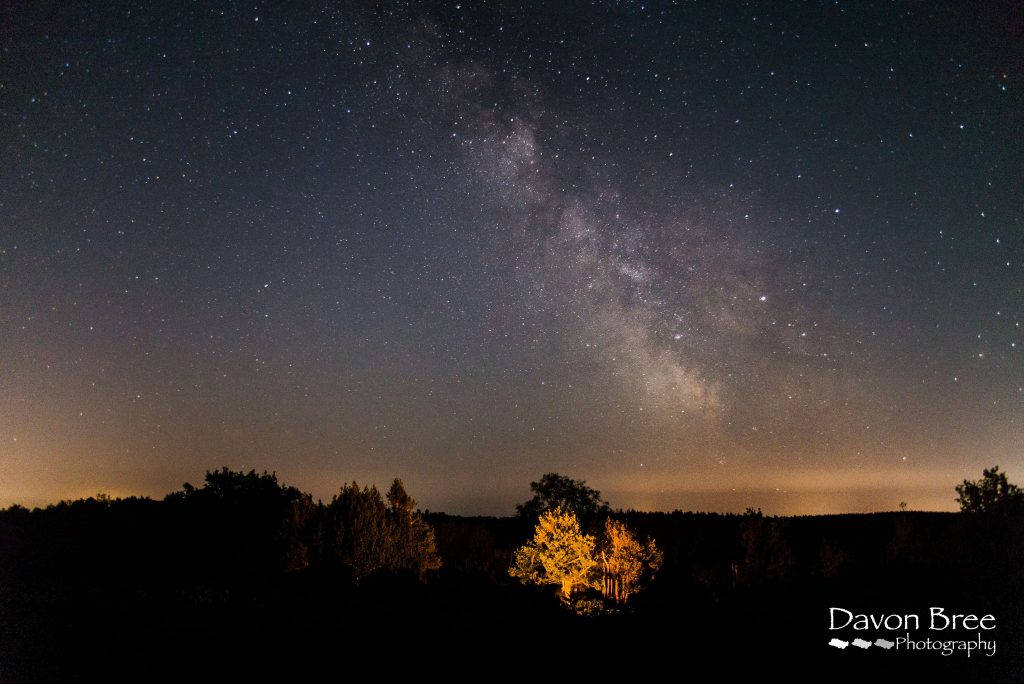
{"x": 701, "y": 257}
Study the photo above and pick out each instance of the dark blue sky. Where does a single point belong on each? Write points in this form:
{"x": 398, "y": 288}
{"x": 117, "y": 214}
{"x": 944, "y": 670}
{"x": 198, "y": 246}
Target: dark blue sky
{"x": 699, "y": 256}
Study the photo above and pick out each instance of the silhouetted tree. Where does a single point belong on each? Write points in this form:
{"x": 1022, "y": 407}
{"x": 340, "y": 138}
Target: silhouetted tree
{"x": 246, "y": 523}
{"x": 238, "y": 488}
{"x": 301, "y": 533}
{"x": 411, "y": 543}
{"x": 468, "y": 545}
{"x": 366, "y": 535}
{"x": 991, "y": 494}
{"x": 558, "y": 491}
{"x": 559, "y": 554}
{"x": 358, "y": 523}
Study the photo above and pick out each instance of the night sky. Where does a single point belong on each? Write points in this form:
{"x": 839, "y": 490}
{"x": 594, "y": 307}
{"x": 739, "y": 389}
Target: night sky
{"x": 702, "y": 255}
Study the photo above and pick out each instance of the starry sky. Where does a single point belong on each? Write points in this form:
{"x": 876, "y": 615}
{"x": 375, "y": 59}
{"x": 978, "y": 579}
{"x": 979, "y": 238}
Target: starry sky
{"x": 702, "y": 255}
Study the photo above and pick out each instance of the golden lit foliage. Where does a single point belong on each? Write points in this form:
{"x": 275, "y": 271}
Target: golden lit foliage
{"x": 625, "y": 562}
{"x": 559, "y": 554}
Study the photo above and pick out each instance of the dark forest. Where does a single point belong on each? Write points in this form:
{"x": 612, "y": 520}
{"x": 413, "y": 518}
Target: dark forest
{"x": 248, "y": 575}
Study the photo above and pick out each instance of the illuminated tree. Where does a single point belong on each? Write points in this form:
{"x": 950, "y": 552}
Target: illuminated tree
{"x": 626, "y": 564}
{"x": 992, "y": 493}
{"x": 559, "y": 554}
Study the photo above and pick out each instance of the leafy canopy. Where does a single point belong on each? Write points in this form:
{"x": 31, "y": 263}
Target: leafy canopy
{"x": 559, "y": 554}
{"x": 554, "y": 491}
{"x": 562, "y": 555}
{"x": 992, "y": 493}
{"x": 626, "y": 562}
{"x": 367, "y": 535}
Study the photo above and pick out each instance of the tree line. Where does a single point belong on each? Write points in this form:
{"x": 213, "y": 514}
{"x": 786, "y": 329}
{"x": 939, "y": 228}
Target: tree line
{"x": 245, "y": 522}
{"x": 246, "y": 527}
{"x": 259, "y": 521}
{"x": 241, "y": 563}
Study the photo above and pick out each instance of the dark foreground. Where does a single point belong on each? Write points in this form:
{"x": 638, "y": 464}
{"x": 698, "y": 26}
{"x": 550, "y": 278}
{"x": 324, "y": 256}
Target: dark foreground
{"x": 126, "y": 590}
